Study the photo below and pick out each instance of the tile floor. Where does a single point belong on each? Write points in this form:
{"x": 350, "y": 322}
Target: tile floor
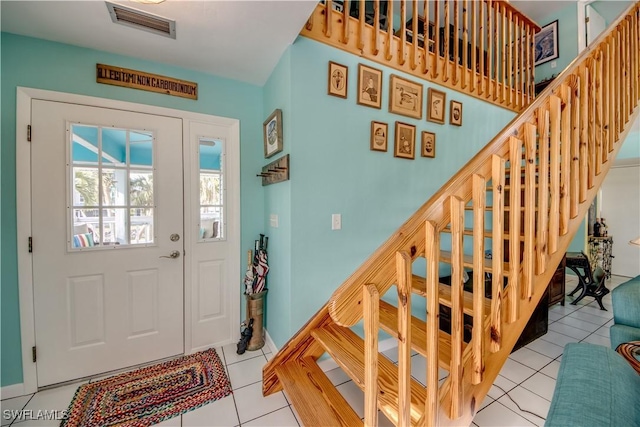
{"x": 520, "y": 396}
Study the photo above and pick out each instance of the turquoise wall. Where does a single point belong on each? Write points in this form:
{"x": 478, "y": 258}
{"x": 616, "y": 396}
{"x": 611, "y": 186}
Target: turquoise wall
{"x": 334, "y": 171}
{"x": 46, "y": 65}
{"x": 277, "y": 197}
{"x": 567, "y": 41}
{"x": 610, "y": 9}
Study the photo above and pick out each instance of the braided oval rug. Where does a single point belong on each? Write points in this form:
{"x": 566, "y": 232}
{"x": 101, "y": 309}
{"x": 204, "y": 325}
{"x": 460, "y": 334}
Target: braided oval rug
{"x": 149, "y": 395}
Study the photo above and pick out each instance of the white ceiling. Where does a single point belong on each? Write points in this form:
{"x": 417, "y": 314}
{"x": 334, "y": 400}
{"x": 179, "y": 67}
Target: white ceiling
{"x": 242, "y": 40}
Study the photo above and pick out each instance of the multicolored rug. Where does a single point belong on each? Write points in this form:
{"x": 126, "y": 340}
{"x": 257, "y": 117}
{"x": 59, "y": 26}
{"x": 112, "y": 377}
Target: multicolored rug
{"x": 149, "y": 395}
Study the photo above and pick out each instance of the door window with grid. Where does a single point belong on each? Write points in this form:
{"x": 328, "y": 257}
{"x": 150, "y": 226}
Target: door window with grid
{"x": 111, "y": 201}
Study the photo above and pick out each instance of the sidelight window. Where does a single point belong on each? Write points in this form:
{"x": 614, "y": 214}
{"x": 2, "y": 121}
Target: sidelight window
{"x": 212, "y": 219}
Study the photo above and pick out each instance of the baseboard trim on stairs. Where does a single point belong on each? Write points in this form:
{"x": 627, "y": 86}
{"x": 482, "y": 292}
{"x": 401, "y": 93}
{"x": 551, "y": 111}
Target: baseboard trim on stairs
{"x": 326, "y": 363}
{"x": 13, "y": 390}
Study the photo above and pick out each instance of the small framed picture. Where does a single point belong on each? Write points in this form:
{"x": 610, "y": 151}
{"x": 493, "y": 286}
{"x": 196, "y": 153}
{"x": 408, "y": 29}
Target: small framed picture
{"x": 436, "y": 105}
{"x": 337, "y": 80}
{"x": 428, "y": 144}
{"x": 405, "y": 97}
{"x": 369, "y": 86}
{"x": 405, "y": 141}
{"x": 379, "y": 133}
{"x": 546, "y": 43}
{"x": 272, "y": 130}
{"x": 455, "y": 113}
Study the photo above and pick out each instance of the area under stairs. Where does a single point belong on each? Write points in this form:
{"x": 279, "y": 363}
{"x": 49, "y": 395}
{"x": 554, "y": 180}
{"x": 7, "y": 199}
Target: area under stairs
{"x": 522, "y": 198}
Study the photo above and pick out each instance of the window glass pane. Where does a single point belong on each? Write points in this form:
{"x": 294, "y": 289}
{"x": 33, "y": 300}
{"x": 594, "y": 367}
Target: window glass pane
{"x": 141, "y": 148}
{"x": 141, "y": 225}
{"x": 114, "y": 147}
{"x": 114, "y": 187}
{"x": 85, "y": 186}
{"x": 114, "y": 225}
{"x": 211, "y": 223}
{"x": 84, "y": 144}
{"x": 211, "y": 154}
{"x": 141, "y": 188}
{"x": 112, "y": 202}
{"x": 210, "y": 188}
{"x": 85, "y": 221}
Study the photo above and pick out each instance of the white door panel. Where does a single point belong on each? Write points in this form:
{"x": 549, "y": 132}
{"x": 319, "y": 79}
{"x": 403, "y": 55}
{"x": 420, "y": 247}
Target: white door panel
{"x": 214, "y": 310}
{"x": 103, "y": 308}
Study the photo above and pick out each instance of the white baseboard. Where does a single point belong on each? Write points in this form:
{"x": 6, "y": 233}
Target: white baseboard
{"x": 272, "y": 346}
{"x": 13, "y": 390}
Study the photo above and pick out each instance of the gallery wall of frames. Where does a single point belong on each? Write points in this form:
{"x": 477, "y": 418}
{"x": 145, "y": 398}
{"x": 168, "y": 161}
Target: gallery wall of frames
{"x": 406, "y": 98}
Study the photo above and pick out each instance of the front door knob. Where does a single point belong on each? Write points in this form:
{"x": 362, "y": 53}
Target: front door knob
{"x": 173, "y": 254}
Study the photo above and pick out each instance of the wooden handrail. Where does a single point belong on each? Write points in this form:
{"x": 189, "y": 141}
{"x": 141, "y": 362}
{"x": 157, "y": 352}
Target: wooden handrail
{"x": 436, "y": 46}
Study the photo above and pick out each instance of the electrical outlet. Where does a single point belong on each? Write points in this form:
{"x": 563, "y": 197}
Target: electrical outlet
{"x": 554, "y": 64}
{"x": 336, "y": 222}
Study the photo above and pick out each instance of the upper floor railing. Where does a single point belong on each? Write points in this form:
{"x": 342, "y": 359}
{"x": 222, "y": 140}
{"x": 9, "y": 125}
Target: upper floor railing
{"x": 487, "y": 52}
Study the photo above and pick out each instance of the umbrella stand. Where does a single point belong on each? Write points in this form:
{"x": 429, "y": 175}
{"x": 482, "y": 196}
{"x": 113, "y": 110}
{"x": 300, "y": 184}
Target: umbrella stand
{"x": 255, "y": 303}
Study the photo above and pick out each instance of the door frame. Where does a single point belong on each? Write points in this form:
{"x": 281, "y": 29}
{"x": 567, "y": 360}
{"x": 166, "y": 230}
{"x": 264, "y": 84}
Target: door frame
{"x": 24, "y": 97}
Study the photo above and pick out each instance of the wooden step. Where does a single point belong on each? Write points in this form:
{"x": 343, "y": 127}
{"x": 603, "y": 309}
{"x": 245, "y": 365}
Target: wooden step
{"x": 347, "y": 349}
{"x": 445, "y": 256}
{"x": 419, "y": 286}
{"x": 389, "y": 324}
{"x": 487, "y": 233}
{"x": 317, "y": 401}
{"x": 490, "y": 208}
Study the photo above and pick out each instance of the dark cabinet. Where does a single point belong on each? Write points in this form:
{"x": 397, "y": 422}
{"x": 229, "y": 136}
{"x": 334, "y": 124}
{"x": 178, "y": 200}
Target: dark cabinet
{"x": 556, "y": 284}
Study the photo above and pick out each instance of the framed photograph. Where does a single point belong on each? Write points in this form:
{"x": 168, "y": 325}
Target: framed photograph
{"x": 272, "y": 130}
{"x": 428, "y": 144}
{"x": 369, "y": 86}
{"x": 379, "y": 134}
{"x": 405, "y": 97}
{"x": 436, "y": 105}
{"x": 455, "y": 113}
{"x": 546, "y": 43}
{"x": 405, "y": 141}
{"x": 337, "y": 80}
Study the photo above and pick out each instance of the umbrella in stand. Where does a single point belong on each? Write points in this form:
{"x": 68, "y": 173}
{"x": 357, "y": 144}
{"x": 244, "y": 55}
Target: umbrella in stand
{"x": 249, "y": 276}
{"x": 261, "y": 269}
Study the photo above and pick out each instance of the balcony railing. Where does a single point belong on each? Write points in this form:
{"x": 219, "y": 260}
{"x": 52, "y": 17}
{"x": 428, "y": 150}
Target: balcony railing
{"x": 487, "y": 52}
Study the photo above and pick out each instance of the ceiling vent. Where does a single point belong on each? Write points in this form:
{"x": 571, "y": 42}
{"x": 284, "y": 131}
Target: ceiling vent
{"x": 142, "y": 20}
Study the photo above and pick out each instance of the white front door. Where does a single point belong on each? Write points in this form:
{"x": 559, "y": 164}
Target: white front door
{"x": 107, "y": 227}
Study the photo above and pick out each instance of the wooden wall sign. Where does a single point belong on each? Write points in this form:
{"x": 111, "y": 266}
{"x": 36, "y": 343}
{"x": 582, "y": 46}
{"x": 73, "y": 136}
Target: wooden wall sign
{"x": 125, "y": 77}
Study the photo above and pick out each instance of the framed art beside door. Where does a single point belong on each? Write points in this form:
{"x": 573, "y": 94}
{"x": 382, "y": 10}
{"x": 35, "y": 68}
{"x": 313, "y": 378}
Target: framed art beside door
{"x": 272, "y": 133}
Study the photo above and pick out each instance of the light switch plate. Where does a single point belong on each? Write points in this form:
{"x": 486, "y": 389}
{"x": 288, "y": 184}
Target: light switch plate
{"x": 336, "y": 221}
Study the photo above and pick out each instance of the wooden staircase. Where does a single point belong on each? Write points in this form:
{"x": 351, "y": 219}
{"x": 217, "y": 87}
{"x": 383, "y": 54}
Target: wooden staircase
{"x": 523, "y": 197}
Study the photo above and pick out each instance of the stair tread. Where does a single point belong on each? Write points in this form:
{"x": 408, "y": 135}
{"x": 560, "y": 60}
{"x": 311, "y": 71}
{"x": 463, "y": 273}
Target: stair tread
{"x": 487, "y": 233}
{"x": 490, "y": 208}
{"x": 317, "y": 401}
{"x": 389, "y": 323}
{"x": 419, "y": 286}
{"x": 347, "y": 349}
{"x": 445, "y": 256}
